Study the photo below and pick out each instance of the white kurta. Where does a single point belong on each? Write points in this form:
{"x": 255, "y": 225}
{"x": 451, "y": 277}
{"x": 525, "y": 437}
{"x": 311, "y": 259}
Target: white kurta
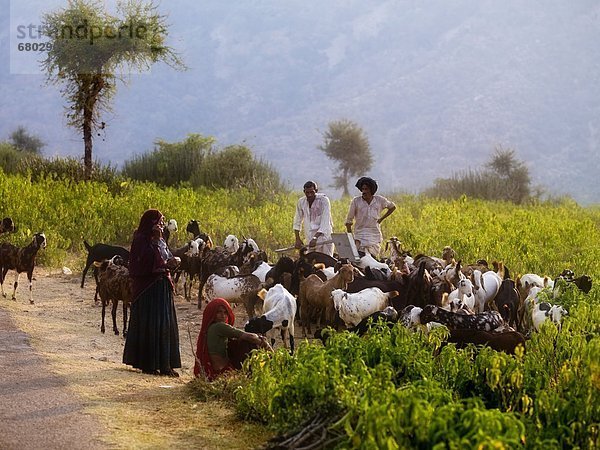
{"x": 313, "y": 219}
{"x": 366, "y": 228}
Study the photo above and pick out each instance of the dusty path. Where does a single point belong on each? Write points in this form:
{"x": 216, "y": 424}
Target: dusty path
{"x": 38, "y": 410}
{"x": 64, "y": 385}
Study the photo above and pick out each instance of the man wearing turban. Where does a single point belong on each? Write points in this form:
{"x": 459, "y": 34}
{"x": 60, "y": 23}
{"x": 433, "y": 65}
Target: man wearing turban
{"x": 366, "y": 211}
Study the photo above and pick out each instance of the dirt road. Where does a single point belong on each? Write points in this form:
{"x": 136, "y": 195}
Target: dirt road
{"x": 64, "y": 385}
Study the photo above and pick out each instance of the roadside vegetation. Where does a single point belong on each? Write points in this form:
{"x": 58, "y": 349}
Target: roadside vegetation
{"x": 393, "y": 388}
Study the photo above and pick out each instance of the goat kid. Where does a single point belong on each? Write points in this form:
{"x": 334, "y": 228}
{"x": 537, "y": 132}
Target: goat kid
{"x": 280, "y": 310}
{"x": 114, "y": 284}
{"x": 543, "y": 311}
{"x": 460, "y": 298}
{"x": 20, "y": 260}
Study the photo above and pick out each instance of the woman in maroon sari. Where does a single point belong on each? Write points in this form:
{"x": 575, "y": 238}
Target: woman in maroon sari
{"x": 221, "y": 347}
{"x": 152, "y": 343}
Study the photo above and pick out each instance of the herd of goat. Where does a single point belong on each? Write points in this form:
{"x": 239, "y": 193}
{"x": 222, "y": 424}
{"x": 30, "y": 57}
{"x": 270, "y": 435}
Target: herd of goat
{"x": 477, "y": 303}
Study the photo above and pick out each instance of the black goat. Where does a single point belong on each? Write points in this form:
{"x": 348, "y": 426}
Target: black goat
{"x": 7, "y": 225}
{"x": 20, "y": 260}
{"x": 193, "y": 227}
{"x": 99, "y": 253}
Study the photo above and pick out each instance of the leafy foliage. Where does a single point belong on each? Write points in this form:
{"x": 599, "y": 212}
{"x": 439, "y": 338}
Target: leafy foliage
{"x": 346, "y": 143}
{"x": 395, "y": 388}
{"x": 10, "y": 157}
{"x": 170, "y": 163}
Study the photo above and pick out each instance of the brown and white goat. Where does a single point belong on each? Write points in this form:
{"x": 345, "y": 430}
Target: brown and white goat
{"x": 114, "y": 284}
{"x": 20, "y": 260}
{"x": 314, "y": 297}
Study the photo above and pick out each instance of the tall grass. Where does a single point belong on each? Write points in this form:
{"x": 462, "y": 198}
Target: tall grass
{"x": 543, "y": 238}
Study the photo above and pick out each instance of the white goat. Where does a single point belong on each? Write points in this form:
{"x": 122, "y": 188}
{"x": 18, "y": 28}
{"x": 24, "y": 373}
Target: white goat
{"x": 461, "y": 296}
{"x": 372, "y": 263}
{"x": 261, "y": 271}
{"x": 355, "y": 307}
{"x": 231, "y": 244}
{"x": 280, "y": 311}
{"x": 544, "y": 310}
{"x": 486, "y": 287}
{"x": 529, "y": 280}
{"x": 241, "y": 289}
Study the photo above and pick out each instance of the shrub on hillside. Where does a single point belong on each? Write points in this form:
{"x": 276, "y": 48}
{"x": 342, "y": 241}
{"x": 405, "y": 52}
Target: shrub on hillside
{"x": 170, "y": 164}
{"x": 68, "y": 168}
{"x": 236, "y": 167}
{"x": 9, "y": 157}
{"x": 503, "y": 178}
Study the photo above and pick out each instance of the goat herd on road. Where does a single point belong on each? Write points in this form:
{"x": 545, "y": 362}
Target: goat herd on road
{"x": 478, "y": 304}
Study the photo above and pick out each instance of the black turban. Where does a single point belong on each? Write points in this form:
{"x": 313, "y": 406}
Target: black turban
{"x": 369, "y": 182}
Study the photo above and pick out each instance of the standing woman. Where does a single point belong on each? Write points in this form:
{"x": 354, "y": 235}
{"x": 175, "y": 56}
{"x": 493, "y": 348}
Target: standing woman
{"x": 152, "y": 343}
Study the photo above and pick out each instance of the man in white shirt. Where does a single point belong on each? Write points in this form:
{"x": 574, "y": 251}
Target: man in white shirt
{"x": 366, "y": 210}
{"x": 314, "y": 212}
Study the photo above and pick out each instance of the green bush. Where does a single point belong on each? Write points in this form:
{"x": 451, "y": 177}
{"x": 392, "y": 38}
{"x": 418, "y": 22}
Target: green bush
{"x": 235, "y": 167}
{"x": 170, "y": 164}
{"x": 10, "y": 157}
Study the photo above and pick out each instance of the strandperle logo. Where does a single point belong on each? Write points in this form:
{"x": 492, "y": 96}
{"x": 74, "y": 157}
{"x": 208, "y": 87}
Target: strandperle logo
{"x": 30, "y": 41}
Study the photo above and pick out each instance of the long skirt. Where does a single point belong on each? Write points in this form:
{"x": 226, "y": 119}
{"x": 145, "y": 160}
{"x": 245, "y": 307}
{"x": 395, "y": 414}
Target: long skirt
{"x": 153, "y": 338}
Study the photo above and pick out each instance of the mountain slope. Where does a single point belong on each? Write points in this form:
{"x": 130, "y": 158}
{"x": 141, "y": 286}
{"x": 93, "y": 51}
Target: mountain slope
{"x": 436, "y": 86}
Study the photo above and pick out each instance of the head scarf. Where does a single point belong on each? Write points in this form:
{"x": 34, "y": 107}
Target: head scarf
{"x": 145, "y": 261}
{"x": 208, "y": 318}
{"x": 369, "y": 182}
{"x": 150, "y": 218}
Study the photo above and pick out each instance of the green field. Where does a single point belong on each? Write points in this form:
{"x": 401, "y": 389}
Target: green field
{"x": 393, "y": 389}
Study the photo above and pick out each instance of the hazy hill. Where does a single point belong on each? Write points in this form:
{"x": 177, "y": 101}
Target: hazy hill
{"x": 436, "y": 85}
